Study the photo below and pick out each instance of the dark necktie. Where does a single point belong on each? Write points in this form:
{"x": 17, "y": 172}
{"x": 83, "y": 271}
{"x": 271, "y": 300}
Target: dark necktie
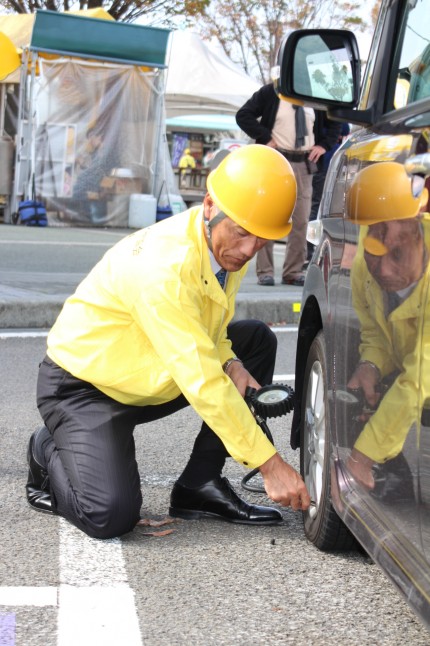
{"x": 301, "y": 129}
{"x": 221, "y": 274}
{"x": 394, "y": 301}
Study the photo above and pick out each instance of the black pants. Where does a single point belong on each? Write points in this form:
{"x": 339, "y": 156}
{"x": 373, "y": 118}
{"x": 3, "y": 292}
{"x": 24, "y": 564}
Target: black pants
{"x": 90, "y": 457}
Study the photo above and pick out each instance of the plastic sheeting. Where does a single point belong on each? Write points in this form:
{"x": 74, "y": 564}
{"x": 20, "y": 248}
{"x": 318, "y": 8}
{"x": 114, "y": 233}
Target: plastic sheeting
{"x": 94, "y": 141}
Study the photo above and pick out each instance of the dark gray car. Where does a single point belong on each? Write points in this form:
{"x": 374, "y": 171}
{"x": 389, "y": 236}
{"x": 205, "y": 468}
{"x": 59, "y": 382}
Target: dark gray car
{"x": 362, "y": 413}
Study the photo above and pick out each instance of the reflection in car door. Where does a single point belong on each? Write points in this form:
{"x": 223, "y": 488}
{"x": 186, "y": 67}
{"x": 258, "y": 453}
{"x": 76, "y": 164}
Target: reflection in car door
{"x": 423, "y": 416}
{"x": 371, "y": 323}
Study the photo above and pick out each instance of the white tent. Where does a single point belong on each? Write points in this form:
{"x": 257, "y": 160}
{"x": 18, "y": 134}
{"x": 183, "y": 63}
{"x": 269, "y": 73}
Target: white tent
{"x": 201, "y": 79}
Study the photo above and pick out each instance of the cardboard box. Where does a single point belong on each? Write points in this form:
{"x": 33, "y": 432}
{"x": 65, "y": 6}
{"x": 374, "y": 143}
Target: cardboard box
{"x": 121, "y": 185}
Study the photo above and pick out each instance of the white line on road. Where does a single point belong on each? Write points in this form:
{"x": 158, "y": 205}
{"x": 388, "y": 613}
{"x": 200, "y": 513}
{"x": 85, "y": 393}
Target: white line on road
{"x": 28, "y": 596}
{"x": 56, "y": 243}
{"x": 24, "y": 334}
{"x": 283, "y": 378}
{"x": 27, "y": 334}
{"x": 103, "y": 611}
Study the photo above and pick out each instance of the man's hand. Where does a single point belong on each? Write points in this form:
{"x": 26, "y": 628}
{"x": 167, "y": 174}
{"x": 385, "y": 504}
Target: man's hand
{"x": 360, "y": 467}
{"x": 315, "y": 153}
{"x": 366, "y": 376}
{"x": 241, "y": 377}
{"x": 284, "y": 485}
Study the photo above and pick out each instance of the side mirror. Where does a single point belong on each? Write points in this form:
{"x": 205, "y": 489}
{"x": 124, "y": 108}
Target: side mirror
{"x": 319, "y": 68}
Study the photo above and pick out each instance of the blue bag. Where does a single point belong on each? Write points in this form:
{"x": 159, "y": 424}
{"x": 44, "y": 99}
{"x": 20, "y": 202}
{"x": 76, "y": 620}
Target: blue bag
{"x": 32, "y": 213}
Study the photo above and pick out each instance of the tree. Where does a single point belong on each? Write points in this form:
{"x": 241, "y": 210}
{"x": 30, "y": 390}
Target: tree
{"x": 124, "y": 10}
{"x": 338, "y": 85}
{"x": 251, "y": 31}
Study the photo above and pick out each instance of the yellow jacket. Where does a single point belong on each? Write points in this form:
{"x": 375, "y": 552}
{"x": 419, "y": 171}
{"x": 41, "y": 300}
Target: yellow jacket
{"x": 187, "y": 161}
{"x": 400, "y": 342}
{"x": 149, "y": 323}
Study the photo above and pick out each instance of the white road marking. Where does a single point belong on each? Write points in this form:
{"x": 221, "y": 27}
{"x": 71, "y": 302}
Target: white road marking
{"x": 22, "y": 334}
{"x": 97, "y": 615}
{"x": 56, "y": 243}
{"x": 291, "y": 377}
{"x": 28, "y": 334}
{"x": 103, "y": 610}
{"x": 28, "y": 596}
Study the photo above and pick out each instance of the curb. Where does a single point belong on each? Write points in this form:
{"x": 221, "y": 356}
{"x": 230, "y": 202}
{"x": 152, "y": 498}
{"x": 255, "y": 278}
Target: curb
{"x": 42, "y": 314}
{"x": 274, "y": 311}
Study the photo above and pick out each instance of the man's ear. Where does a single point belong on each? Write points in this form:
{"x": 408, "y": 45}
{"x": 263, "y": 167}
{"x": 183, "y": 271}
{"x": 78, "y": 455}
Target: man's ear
{"x": 208, "y": 203}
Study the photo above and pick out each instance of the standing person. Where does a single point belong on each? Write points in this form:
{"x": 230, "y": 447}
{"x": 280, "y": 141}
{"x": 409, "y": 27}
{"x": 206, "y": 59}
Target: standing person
{"x": 302, "y": 136}
{"x": 186, "y": 161}
{"x": 148, "y": 332}
{"x": 187, "y": 164}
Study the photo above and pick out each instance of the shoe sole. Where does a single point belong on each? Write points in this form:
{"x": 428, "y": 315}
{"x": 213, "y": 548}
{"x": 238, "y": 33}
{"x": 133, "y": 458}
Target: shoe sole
{"x": 51, "y": 512}
{"x": 188, "y": 514}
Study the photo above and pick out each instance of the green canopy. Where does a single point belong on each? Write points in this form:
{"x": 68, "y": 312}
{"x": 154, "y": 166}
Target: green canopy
{"x": 71, "y": 35}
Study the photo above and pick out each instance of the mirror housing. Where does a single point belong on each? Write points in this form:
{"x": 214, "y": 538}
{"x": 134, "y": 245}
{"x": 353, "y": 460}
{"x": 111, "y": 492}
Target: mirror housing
{"x": 319, "y": 68}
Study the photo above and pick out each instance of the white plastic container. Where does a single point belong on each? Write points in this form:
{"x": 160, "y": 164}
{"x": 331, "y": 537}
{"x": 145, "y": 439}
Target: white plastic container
{"x": 142, "y": 210}
{"x": 177, "y": 203}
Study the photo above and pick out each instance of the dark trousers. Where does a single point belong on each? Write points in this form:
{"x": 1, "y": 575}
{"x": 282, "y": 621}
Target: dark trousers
{"x": 90, "y": 454}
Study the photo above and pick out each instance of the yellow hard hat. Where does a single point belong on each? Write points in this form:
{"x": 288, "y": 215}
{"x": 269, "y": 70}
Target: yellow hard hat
{"x": 384, "y": 191}
{"x": 186, "y": 151}
{"x": 255, "y": 186}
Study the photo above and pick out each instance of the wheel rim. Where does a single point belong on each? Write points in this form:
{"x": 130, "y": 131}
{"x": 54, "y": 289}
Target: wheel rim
{"x": 315, "y": 436}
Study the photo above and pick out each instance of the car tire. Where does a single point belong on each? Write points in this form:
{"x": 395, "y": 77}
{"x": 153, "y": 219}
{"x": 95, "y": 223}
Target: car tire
{"x": 322, "y": 525}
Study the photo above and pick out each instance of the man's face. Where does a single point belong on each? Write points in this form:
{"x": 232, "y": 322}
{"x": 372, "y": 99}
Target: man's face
{"x": 402, "y": 264}
{"x": 232, "y": 246}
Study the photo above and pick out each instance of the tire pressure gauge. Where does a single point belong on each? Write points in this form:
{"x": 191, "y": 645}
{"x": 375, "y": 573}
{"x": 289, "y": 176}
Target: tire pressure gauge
{"x": 274, "y": 400}
{"x": 271, "y": 401}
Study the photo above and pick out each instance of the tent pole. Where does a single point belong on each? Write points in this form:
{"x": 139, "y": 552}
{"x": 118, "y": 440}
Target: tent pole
{"x": 158, "y": 138}
{"x": 31, "y": 129}
{"x": 20, "y": 136}
{"x": 2, "y": 107}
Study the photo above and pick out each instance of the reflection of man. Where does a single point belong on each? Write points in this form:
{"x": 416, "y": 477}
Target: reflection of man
{"x": 389, "y": 283}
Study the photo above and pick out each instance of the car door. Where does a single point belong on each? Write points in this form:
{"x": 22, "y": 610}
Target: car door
{"x": 368, "y": 326}
{"x": 396, "y": 428}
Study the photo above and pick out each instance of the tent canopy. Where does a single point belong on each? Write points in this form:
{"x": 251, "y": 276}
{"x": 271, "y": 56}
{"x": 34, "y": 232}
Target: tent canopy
{"x": 98, "y": 38}
{"x": 73, "y": 35}
{"x": 203, "y": 122}
{"x": 201, "y": 79}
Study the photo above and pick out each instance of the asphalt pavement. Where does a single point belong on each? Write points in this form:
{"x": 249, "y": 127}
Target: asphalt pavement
{"x": 41, "y": 267}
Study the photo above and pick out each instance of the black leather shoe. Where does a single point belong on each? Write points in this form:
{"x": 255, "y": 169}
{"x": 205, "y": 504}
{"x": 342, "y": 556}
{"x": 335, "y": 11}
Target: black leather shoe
{"x": 217, "y": 499}
{"x": 37, "y": 487}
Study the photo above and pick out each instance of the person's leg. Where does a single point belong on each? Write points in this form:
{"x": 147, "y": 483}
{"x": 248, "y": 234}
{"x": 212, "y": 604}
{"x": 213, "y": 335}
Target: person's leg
{"x": 255, "y": 344}
{"x": 296, "y": 242}
{"x": 200, "y": 491}
{"x": 89, "y": 455}
{"x": 264, "y": 265}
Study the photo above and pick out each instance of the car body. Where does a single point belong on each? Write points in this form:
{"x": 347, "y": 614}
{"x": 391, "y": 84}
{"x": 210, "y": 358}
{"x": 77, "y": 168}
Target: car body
{"x": 345, "y": 320}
